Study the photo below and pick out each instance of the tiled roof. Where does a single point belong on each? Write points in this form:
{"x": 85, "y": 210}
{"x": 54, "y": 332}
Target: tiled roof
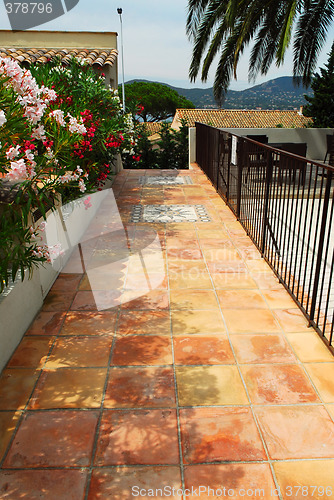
{"x": 30, "y": 55}
{"x": 233, "y": 118}
{"x": 152, "y": 127}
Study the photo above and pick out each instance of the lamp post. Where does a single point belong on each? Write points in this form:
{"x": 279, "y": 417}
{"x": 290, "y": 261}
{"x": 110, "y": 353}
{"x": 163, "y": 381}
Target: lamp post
{"x": 123, "y": 89}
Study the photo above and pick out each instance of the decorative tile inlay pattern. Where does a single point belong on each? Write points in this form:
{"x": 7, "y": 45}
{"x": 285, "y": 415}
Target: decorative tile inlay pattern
{"x": 159, "y": 180}
{"x": 169, "y": 213}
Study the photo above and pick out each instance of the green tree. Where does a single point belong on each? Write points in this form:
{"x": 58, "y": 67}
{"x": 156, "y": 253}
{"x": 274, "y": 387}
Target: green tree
{"x": 224, "y": 28}
{"x": 166, "y": 154}
{"x": 158, "y": 101}
{"x": 321, "y": 104}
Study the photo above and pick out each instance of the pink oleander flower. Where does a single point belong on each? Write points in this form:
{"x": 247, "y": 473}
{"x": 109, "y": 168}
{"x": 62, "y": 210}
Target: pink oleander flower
{"x": 42, "y": 252}
{"x": 58, "y": 115}
{"x": 50, "y": 94}
{"x": 29, "y": 155}
{"x": 87, "y": 202}
{"x": 34, "y": 113}
{"x": 75, "y": 126}
{"x": 18, "y": 171}
{"x": 3, "y": 118}
{"x": 13, "y": 153}
{"x": 39, "y": 133}
{"x": 82, "y": 185}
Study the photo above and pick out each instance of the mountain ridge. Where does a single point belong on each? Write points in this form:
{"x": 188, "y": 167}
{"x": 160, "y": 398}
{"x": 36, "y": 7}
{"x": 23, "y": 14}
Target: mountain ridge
{"x": 278, "y": 93}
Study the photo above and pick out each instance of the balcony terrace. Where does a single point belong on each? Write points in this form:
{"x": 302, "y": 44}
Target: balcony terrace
{"x": 167, "y": 354}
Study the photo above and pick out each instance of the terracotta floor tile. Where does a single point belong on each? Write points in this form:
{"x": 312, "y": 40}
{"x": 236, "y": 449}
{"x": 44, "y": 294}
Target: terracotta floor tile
{"x": 184, "y": 253}
{"x": 96, "y": 301}
{"x": 292, "y": 320}
{"x": 202, "y": 350}
{"x": 189, "y": 243}
{"x": 216, "y": 243}
{"x": 50, "y": 484}
{"x": 80, "y": 352}
{"x": 187, "y": 268}
{"x": 184, "y": 322}
{"x": 309, "y": 347}
{"x": 16, "y": 385}
{"x": 256, "y": 479}
{"x": 210, "y": 385}
{"x": 99, "y": 279}
{"x": 69, "y": 388}
{"x": 134, "y": 387}
{"x": 305, "y": 479}
{"x": 31, "y": 352}
{"x": 125, "y": 483}
{"x": 330, "y": 409}
{"x": 193, "y": 299}
{"x": 220, "y": 234}
{"x": 219, "y": 434}
{"x": 143, "y": 322}
{"x": 153, "y": 299}
{"x": 322, "y": 375}
{"x": 267, "y": 282}
{"x": 69, "y": 436}
{"x": 47, "y": 323}
{"x": 233, "y": 267}
{"x": 8, "y": 423}
{"x": 279, "y": 299}
{"x": 180, "y": 233}
{"x": 249, "y": 253}
{"x": 89, "y": 323}
{"x": 278, "y": 384}
{"x": 141, "y": 437}
{"x": 262, "y": 348}
{"x": 250, "y": 321}
{"x": 256, "y": 266}
{"x": 142, "y": 350}
{"x": 66, "y": 282}
{"x": 190, "y": 278}
{"x": 296, "y": 432}
{"x": 147, "y": 264}
{"x": 230, "y": 281}
{"x": 227, "y": 255}
{"x": 58, "y": 301}
{"x": 153, "y": 281}
{"x": 237, "y": 299}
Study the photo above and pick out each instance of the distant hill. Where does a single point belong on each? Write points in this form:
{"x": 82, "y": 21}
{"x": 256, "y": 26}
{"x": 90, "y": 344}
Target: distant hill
{"x": 280, "y": 93}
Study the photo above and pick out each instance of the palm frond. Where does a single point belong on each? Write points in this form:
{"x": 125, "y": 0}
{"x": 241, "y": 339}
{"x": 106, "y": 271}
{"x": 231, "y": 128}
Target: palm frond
{"x": 290, "y": 8}
{"x": 311, "y": 33}
{"x": 211, "y": 17}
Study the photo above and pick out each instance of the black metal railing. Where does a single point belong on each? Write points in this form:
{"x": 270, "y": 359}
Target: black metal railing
{"x": 285, "y": 202}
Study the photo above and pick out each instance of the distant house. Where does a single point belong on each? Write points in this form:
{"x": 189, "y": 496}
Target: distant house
{"x": 234, "y": 118}
{"x": 153, "y": 129}
{"x": 98, "y": 49}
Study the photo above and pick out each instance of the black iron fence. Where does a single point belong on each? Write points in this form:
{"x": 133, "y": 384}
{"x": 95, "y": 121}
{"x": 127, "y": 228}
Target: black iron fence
{"x": 285, "y": 202}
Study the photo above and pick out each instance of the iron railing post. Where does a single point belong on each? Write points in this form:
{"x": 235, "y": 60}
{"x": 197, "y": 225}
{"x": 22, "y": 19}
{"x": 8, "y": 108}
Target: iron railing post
{"x": 229, "y": 150}
{"x": 218, "y": 159}
{"x": 321, "y": 243}
{"x": 240, "y": 160}
{"x": 269, "y": 176}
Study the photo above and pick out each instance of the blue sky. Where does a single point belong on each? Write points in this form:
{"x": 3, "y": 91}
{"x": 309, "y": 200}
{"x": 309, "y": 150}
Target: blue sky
{"x": 155, "y": 43}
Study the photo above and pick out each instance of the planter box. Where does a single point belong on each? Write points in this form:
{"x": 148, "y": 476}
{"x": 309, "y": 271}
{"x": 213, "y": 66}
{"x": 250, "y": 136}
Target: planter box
{"x": 21, "y": 301}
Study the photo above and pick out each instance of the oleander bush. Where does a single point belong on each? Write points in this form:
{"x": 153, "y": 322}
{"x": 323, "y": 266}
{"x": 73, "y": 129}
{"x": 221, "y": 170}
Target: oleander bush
{"x": 60, "y": 132}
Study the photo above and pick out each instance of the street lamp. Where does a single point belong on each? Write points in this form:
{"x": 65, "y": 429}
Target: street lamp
{"x": 123, "y": 89}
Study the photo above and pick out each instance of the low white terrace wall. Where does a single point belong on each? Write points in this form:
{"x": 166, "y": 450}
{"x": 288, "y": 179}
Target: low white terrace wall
{"x": 21, "y": 301}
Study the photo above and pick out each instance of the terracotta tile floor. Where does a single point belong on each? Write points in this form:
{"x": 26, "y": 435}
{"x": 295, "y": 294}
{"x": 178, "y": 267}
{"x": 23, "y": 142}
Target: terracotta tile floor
{"x": 174, "y": 364}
